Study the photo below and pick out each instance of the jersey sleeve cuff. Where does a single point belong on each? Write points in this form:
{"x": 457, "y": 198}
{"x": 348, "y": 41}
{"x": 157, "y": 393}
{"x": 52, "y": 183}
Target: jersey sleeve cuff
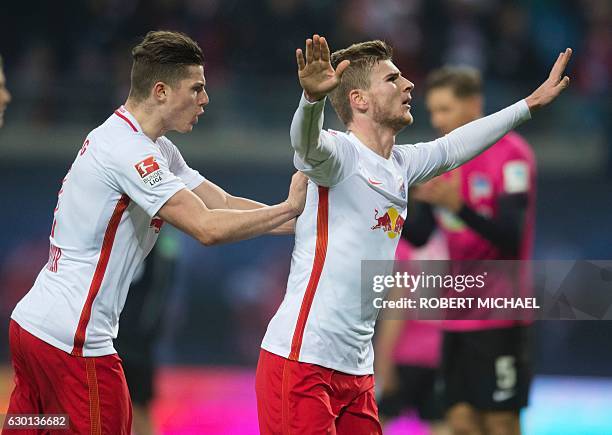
{"x": 154, "y": 208}
{"x": 523, "y": 110}
{"x": 305, "y": 103}
{"x": 194, "y": 181}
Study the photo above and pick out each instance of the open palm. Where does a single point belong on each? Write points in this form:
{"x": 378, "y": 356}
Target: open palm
{"x": 316, "y": 74}
{"x": 556, "y": 83}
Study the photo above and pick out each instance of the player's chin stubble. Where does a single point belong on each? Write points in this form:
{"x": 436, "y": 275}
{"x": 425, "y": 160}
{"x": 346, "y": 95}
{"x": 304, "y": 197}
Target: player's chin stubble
{"x": 396, "y": 122}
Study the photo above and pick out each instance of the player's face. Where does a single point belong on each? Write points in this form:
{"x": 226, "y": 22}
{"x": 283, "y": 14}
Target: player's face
{"x": 5, "y": 96}
{"x": 448, "y": 112}
{"x": 389, "y": 96}
{"x": 186, "y": 100}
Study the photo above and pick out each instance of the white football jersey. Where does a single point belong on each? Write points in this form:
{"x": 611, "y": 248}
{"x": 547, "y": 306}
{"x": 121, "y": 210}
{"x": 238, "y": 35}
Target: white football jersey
{"x": 104, "y": 225}
{"x": 355, "y": 210}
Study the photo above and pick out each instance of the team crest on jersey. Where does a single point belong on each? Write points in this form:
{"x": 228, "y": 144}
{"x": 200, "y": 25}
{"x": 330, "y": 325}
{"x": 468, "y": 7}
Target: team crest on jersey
{"x": 149, "y": 171}
{"x": 480, "y": 187}
{"x": 156, "y": 224}
{"x": 402, "y": 187}
{"x": 516, "y": 176}
{"x": 391, "y": 222}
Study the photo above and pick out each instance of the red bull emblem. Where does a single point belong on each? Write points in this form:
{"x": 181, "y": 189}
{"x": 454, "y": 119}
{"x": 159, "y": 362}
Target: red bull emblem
{"x": 391, "y": 222}
{"x": 156, "y": 224}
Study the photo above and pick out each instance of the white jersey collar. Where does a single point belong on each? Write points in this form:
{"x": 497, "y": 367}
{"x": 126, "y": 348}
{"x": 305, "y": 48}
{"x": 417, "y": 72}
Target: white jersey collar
{"x": 124, "y": 114}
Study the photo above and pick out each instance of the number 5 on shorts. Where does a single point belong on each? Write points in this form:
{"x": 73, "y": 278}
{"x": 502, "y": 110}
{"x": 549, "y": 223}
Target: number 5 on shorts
{"x": 505, "y": 370}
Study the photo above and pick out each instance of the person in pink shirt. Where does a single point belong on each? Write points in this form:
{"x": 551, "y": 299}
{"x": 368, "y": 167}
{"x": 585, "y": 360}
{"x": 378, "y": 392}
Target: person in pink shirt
{"x": 408, "y": 355}
{"x": 486, "y": 211}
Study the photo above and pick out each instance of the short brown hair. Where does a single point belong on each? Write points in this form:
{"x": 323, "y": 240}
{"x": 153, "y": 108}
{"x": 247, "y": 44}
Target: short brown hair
{"x": 162, "y": 56}
{"x": 463, "y": 81}
{"x": 363, "y": 57}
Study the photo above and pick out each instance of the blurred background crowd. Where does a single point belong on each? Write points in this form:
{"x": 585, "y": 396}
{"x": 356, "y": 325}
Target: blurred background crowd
{"x": 67, "y": 65}
{"x": 74, "y": 55}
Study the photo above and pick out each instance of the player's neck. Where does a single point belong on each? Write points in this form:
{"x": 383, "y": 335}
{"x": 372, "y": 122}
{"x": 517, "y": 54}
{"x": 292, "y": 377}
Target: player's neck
{"x": 378, "y": 138}
{"x": 151, "y": 124}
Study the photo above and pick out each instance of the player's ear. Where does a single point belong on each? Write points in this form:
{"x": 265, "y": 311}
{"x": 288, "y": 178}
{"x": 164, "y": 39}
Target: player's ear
{"x": 358, "y": 100}
{"x": 160, "y": 91}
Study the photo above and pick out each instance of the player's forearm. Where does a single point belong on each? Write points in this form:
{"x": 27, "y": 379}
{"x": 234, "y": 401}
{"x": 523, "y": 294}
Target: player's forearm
{"x": 284, "y": 229}
{"x": 223, "y": 226}
{"x": 387, "y": 334}
{"x": 237, "y": 203}
{"x": 505, "y": 231}
{"x": 306, "y": 132}
{"x": 468, "y": 141}
{"x": 420, "y": 223}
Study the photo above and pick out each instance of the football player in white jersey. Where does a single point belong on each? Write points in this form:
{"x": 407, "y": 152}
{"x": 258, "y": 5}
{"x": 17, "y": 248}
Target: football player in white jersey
{"x": 314, "y": 374}
{"x": 125, "y": 182}
{"x": 5, "y": 95}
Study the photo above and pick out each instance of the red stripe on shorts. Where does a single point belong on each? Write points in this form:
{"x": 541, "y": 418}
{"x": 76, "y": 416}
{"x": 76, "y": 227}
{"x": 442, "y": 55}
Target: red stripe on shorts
{"x": 315, "y": 275}
{"x": 96, "y": 282}
{"x": 285, "y": 400}
{"x": 94, "y": 397}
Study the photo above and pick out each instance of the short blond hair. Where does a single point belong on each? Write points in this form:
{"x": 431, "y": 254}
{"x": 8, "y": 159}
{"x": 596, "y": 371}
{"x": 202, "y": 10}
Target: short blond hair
{"x": 363, "y": 57}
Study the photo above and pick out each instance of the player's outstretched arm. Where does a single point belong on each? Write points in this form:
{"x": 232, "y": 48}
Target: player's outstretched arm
{"x": 214, "y": 197}
{"x": 468, "y": 141}
{"x": 186, "y": 211}
{"x": 472, "y": 139}
{"x": 553, "y": 86}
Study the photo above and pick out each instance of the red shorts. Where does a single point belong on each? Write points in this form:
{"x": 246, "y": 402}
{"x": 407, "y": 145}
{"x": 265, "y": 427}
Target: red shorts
{"x": 92, "y": 391}
{"x": 295, "y": 398}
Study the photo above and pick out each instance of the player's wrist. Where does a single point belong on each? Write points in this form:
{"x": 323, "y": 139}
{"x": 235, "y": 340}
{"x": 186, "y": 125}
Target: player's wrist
{"x": 313, "y": 98}
{"x": 290, "y": 208}
{"x": 533, "y": 103}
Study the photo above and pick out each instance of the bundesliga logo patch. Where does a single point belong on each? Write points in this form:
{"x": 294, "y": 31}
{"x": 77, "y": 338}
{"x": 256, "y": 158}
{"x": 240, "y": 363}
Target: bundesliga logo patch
{"x": 149, "y": 171}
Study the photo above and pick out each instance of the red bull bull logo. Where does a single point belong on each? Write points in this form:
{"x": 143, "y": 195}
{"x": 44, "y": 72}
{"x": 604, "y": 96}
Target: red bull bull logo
{"x": 391, "y": 222}
{"x": 156, "y": 224}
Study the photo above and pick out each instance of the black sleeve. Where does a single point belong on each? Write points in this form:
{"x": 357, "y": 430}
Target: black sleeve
{"x": 420, "y": 223}
{"x": 506, "y": 229}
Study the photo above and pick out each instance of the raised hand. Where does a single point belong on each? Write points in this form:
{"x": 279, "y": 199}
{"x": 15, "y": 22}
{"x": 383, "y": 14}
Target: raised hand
{"x": 553, "y": 86}
{"x": 316, "y": 74}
